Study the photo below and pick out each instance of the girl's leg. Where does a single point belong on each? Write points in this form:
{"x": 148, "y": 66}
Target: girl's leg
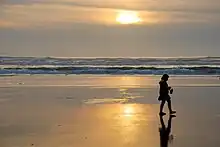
{"x": 170, "y": 106}
{"x": 161, "y": 106}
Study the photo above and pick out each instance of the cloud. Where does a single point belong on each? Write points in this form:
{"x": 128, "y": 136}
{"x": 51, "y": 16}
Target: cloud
{"x": 53, "y": 15}
{"x": 7, "y": 24}
{"x": 60, "y": 13}
{"x": 200, "y": 6}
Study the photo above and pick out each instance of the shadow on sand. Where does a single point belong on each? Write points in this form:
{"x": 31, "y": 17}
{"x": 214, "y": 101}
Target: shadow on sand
{"x": 165, "y": 136}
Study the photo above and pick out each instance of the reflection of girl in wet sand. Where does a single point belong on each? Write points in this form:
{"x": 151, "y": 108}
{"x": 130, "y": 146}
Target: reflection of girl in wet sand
{"x": 165, "y": 90}
{"x": 165, "y": 136}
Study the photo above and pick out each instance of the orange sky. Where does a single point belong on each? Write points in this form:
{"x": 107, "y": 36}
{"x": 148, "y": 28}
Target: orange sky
{"x": 109, "y": 27}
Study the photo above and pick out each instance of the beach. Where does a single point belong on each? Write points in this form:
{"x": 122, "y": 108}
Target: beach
{"x": 106, "y": 111}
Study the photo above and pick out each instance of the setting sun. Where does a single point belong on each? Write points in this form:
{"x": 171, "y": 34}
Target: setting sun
{"x": 128, "y": 17}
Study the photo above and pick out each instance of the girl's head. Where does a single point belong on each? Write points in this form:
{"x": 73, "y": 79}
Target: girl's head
{"x": 165, "y": 77}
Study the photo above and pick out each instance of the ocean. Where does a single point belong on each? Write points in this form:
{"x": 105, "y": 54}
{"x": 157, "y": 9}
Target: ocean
{"x": 115, "y": 66}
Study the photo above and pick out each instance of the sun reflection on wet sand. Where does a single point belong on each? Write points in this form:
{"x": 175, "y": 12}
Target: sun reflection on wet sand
{"x": 123, "y": 81}
{"x": 128, "y": 128}
{"x": 132, "y": 118}
{"x": 128, "y": 110}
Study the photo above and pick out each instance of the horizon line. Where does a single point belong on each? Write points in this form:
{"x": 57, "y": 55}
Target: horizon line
{"x": 100, "y": 57}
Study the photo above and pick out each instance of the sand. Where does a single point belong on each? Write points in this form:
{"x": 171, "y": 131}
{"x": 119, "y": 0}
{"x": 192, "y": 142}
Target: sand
{"x": 105, "y": 111}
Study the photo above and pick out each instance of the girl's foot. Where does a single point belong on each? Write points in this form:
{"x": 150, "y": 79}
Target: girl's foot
{"x": 172, "y": 115}
{"x": 172, "y": 112}
{"x": 162, "y": 113}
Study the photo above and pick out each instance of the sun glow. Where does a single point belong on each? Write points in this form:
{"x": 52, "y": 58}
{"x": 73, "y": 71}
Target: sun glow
{"x": 128, "y": 17}
{"x": 129, "y": 110}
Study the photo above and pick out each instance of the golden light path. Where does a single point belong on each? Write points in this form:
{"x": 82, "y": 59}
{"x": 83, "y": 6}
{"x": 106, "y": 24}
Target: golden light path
{"x": 128, "y": 17}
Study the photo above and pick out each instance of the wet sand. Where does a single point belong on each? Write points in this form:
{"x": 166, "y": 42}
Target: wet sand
{"x": 106, "y": 111}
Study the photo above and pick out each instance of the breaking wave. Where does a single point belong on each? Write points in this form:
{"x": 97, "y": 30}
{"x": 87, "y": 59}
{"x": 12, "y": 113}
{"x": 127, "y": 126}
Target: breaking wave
{"x": 145, "y": 66}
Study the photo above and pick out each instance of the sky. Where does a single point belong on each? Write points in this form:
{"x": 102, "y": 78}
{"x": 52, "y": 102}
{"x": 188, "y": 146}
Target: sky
{"x": 110, "y": 28}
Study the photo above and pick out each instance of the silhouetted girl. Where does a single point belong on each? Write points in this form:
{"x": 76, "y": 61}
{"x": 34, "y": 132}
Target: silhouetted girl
{"x": 164, "y": 94}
